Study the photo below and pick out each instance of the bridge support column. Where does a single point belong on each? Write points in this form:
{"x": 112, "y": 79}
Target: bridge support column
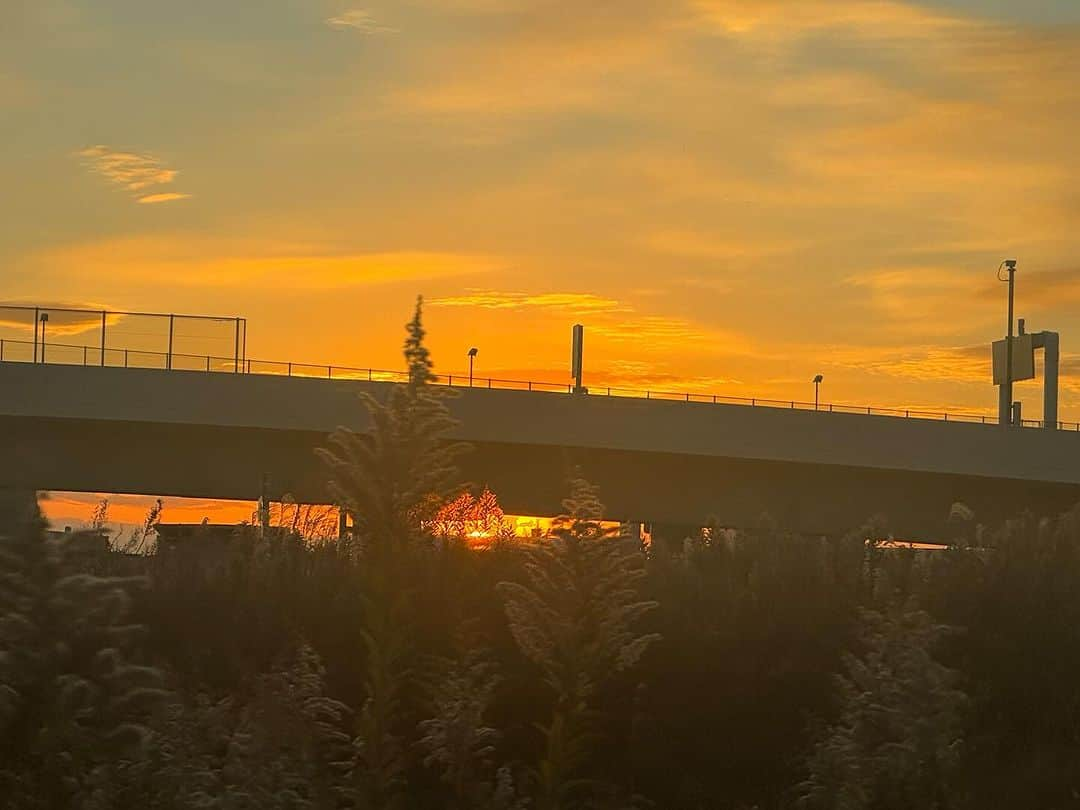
{"x": 1051, "y": 361}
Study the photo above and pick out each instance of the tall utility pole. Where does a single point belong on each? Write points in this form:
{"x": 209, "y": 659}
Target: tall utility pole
{"x": 1005, "y": 395}
{"x": 577, "y": 357}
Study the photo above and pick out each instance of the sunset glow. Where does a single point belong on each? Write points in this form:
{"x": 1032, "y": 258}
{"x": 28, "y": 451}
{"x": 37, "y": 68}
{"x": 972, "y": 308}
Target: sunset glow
{"x": 731, "y": 196}
{"x": 762, "y": 315}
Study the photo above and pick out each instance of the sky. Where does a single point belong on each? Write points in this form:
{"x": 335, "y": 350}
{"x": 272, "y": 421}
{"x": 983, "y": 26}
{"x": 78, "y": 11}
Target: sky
{"x": 731, "y": 195}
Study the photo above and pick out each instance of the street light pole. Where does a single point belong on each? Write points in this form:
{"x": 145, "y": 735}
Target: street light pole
{"x": 1005, "y": 399}
{"x": 472, "y": 356}
{"x": 44, "y": 320}
{"x": 817, "y": 388}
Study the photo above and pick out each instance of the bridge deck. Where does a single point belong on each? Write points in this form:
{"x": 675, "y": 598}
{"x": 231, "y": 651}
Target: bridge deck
{"x": 70, "y": 427}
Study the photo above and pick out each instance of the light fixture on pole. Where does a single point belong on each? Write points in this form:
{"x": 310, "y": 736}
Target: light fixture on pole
{"x": 472, "y": 357}
{"x": 817, "y": 388}
{"x": 44, "y": 320}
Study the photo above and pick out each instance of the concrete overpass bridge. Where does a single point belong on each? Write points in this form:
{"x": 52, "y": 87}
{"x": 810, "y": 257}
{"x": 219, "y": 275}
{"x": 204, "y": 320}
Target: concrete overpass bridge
{"x": 205, "y": 434}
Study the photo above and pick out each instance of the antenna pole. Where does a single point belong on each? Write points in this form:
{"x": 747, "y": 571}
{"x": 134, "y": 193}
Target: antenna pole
{"x": 1005, "y": 401}
{"x": 577, "y": 358}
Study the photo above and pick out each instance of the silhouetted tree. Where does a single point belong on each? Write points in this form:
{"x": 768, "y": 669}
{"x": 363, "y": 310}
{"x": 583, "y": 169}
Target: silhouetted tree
{"x": 396, "y": 474}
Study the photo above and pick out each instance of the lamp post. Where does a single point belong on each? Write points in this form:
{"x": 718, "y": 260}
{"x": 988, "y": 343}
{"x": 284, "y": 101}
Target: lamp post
{"x": 817, "y": 389}
{"x": 44, "y": 320}
{"x": 1005, "y": 404}
{"x": 472, "y": 357}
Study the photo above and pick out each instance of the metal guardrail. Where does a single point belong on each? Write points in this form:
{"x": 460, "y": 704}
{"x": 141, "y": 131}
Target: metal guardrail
{"x": 20, "y": 351}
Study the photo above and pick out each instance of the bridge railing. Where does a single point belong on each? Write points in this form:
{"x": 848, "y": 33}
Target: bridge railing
{"x": 21, "y": 351}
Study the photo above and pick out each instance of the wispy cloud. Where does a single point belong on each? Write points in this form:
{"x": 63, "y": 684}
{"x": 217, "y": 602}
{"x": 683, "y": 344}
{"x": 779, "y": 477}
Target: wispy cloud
{"x": 615, "y": 321}
{"x": 65, "y": 317}
{"x": 169, "y": 196}
{"x": 927, "y": 301}
{"x": 361, "y": 20}
{"x": 924, "y": 363}
{"x": 492, "y": 299}
{"x": 654, "y": 329}
{"x": 778, "y": 19}
{"x": 133, "y": 172}
{"x": 215, "y": 263}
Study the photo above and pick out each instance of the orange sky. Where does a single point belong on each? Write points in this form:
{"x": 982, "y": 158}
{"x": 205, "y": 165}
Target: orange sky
{"x": 128, "y": 511}
{"x": 732, "y": 195}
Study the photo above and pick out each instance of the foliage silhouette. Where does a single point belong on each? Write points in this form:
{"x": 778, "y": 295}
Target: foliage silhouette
{"x": 395, "y": 475}
{"x": 73, "y": 705}
{"x": 574, "y": 618}
{"x": 898, "y": 741}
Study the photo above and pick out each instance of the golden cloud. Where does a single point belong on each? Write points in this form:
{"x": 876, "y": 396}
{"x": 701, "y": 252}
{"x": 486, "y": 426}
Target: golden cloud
{"x": 949, "y": 364}
{"x": 132, "y": 171}
{"x": 493, "y": 299}
{"x": 654, "y": 330}
{"x": 201, "y": 262}
{"x": 612, "y": 321}
{"x": 360, "y": 20}
{"x": 65, "y": 317}
{"x": 879, "y": 19}
{"x": 169, "y": 196}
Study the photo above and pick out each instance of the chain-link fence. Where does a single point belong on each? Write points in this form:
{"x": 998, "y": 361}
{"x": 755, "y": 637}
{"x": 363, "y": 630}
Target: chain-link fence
{"x": 111, "y": 338}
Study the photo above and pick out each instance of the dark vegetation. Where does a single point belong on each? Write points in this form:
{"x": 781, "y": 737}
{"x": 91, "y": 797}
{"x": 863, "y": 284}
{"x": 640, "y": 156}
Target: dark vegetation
{"x": 392, "y": 669}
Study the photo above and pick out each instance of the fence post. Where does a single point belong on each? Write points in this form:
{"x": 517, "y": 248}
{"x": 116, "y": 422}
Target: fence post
{"x": 329, "y": 372}
{"x": 125, "y": 358}
{"x": 168, "y": 358}
{"x": 207, "y": 362}
{"x": 84, "y": 355}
